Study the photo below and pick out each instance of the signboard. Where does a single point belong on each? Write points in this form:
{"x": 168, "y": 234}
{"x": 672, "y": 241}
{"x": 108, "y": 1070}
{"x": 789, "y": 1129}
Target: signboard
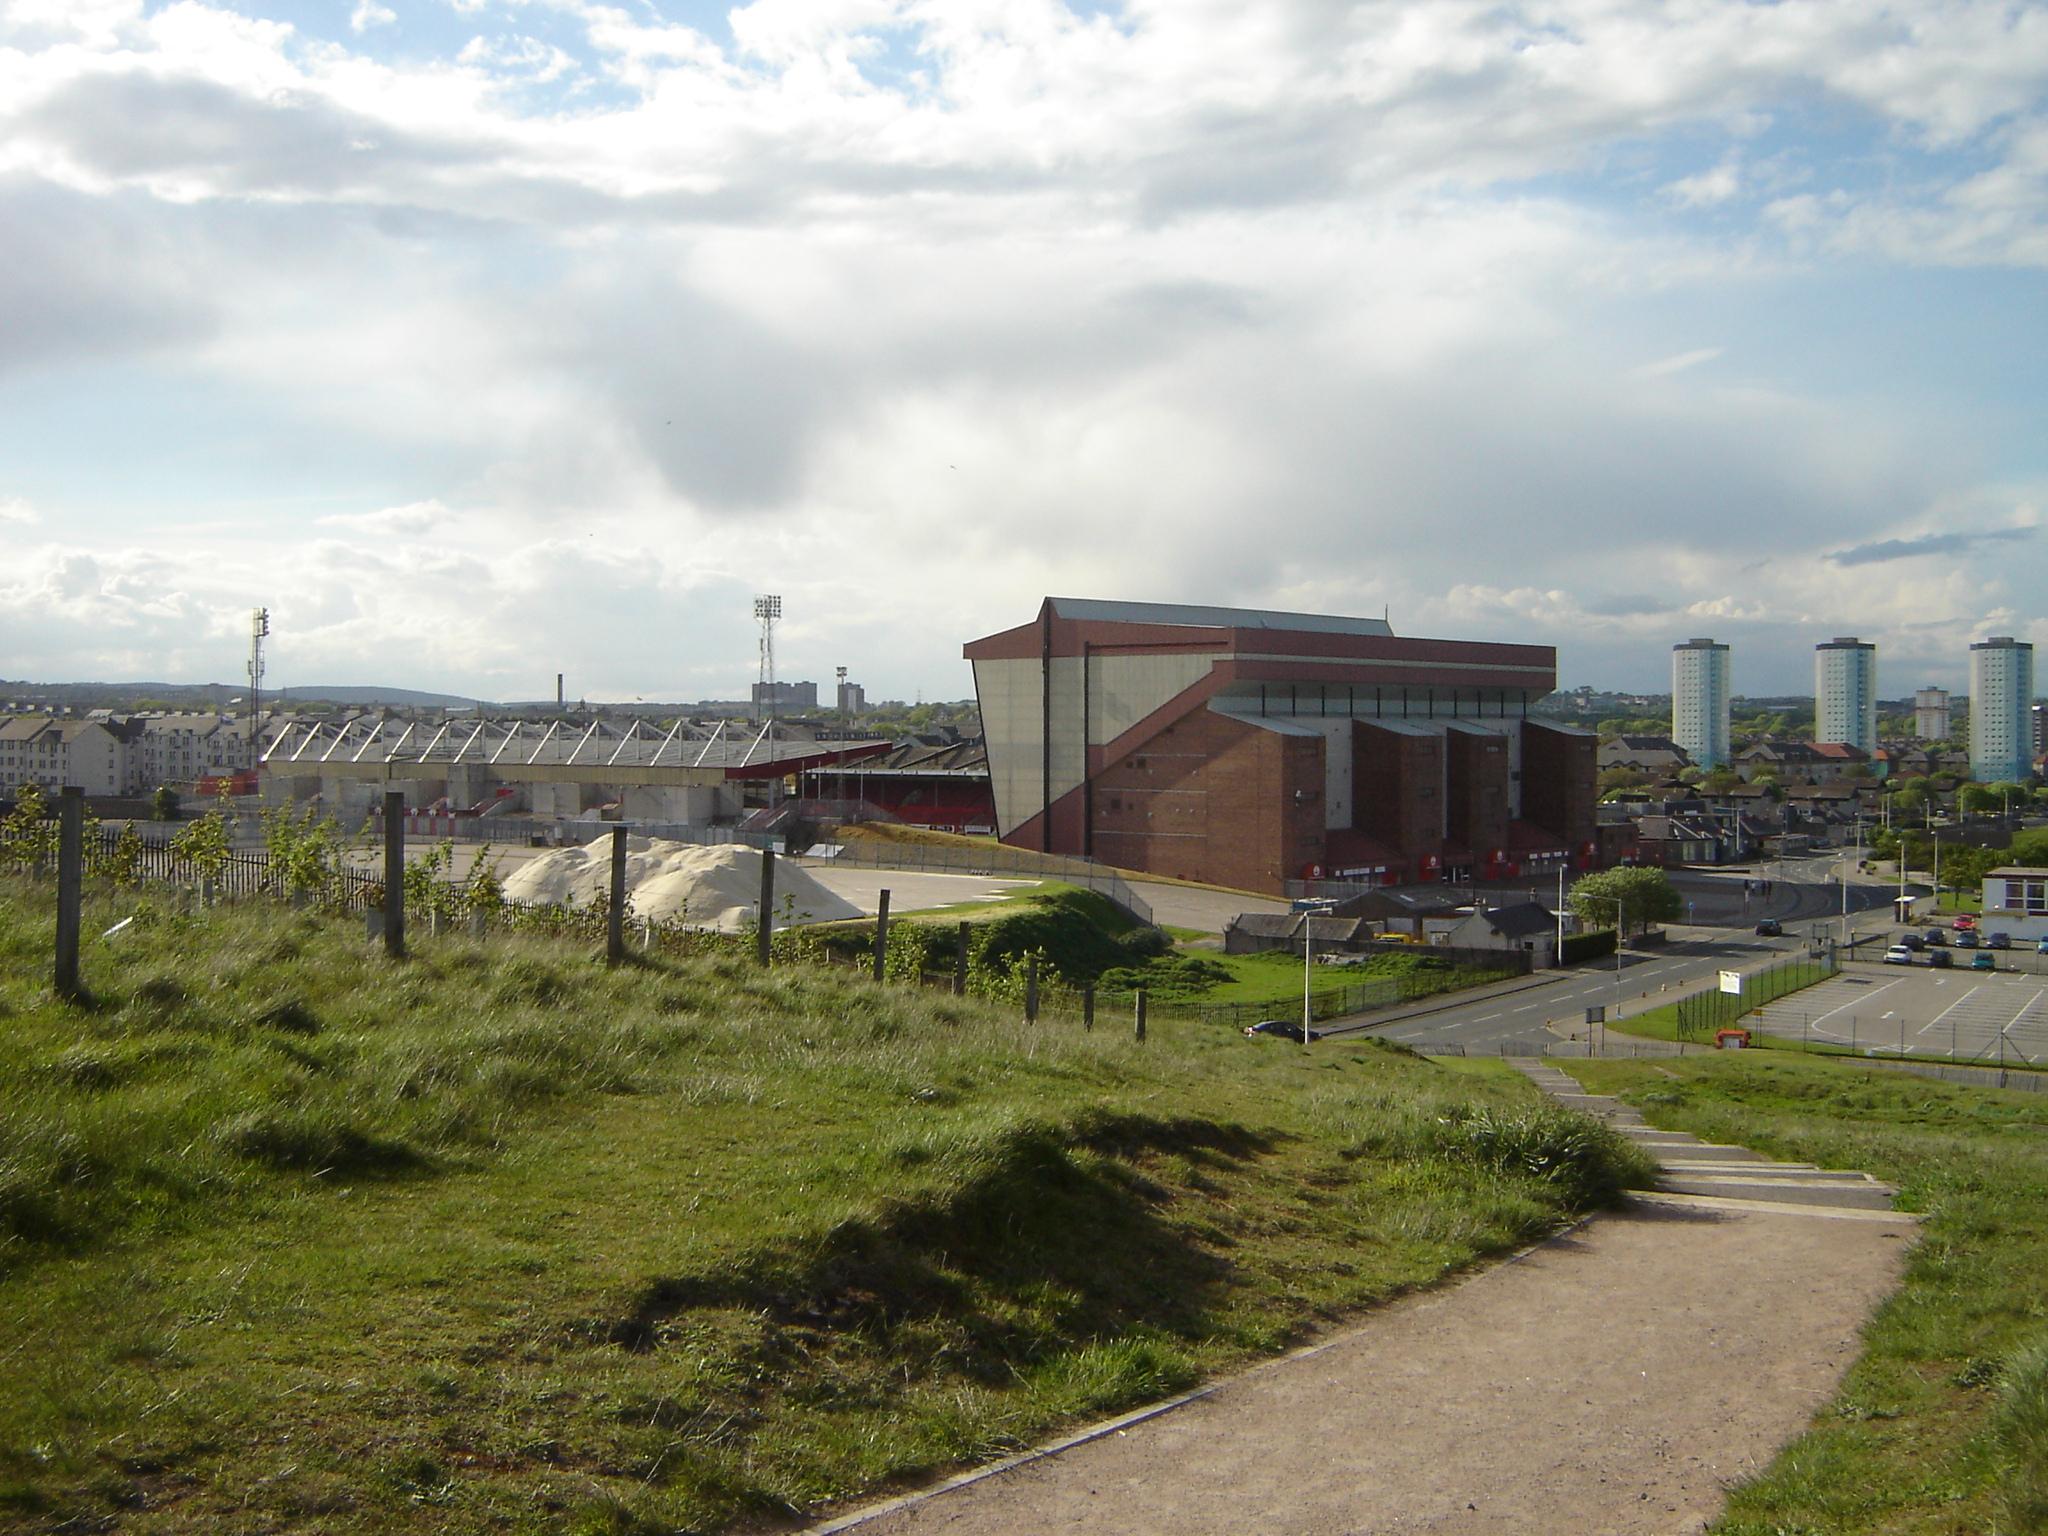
{"x": 1596, "y": 1013}
{"x": 1731, "y": 981}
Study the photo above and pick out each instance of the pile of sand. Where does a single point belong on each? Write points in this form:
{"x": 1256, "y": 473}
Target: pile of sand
{"x": 705, "y": 885}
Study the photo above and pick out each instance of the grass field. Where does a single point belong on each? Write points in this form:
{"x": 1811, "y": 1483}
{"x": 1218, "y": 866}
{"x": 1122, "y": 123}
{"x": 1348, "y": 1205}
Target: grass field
{"x": 1942, "y": 1426}
{"x": 497, "y": 1239}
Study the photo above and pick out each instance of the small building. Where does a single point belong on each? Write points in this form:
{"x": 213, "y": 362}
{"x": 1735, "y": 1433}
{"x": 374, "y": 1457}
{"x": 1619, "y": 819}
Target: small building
{"x": 1527, "y": 927}
{"x": 2016, "y": 902}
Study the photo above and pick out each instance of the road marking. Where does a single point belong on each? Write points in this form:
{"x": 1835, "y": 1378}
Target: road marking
{"x": 1485, "y": 1017}
{"x": 2023, "y": 1011}
{"x": 1951, "y": 1008}
{"x": 1852, "y": 1002}
{"x": 1886, "y": 1014}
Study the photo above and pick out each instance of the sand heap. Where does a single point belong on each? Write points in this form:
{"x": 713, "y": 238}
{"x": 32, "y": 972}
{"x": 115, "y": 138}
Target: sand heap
{"x": 706, "y": 885}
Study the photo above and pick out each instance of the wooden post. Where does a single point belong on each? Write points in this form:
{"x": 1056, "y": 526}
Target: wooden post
{"x": 1031, "y": 990}
{"x": 615, "y": 919}
{"x": 960, "y": 964}
{"x": 1141, "y": 1015}
{"x": 882, "y": 936}
{"x": 70, "y": 886}
{"x": 394, "y": 873}
{"x": 1088, "y": 1006}
{"x": 765, "y": 929}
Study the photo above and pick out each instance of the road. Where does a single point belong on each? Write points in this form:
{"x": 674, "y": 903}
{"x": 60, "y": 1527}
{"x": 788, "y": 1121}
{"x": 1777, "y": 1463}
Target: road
{"x": 1720, "y": 937}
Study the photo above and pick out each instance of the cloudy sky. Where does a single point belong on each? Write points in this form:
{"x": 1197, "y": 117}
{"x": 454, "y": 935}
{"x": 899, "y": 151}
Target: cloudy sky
{"x": 482, "y": 339}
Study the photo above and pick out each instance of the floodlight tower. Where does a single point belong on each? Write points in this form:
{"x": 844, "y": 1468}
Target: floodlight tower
{"x": 259, "y": 627}
{"x": 767, "y": 609}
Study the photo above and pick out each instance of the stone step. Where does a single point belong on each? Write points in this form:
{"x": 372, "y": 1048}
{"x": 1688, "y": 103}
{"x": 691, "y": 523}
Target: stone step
{"x": 1801, "y": 1173}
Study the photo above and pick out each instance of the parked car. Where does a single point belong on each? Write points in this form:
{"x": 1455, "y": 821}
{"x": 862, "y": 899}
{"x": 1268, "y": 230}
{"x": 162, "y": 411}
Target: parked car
{"x": 1940, "y": 959}
{"x": 1913, "y": 941}
{"x": 1898, "y": 954}
{"x": 1965, "y": 924}
{"x": 1983, "y": 960}
{"x": 1770, "y": 928}
{"x": 1967, "y": 939}
{"x": 1284, "y": 1028}
{"x": 2041, "y": 946}
{"x": 1998, "y": 941}
{"x": 1937, "y": 936}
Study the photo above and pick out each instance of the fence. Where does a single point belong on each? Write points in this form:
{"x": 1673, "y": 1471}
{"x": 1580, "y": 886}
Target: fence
{"x": 229, "y": 876}
{"x": 992, "y": 859}
{"x": 1700, "y": 1014}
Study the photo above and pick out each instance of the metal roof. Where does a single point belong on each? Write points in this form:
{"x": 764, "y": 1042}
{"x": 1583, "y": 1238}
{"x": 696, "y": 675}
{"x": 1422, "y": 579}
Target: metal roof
{"x": 1213, "y": 618}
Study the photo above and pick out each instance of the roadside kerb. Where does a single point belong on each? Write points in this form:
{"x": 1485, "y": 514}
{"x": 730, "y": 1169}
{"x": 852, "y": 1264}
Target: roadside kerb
{"x": 1444, "y": 1002}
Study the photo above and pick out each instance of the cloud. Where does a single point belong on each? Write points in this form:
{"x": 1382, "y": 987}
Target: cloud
{"x": 14, "y": 509}
{"x": 368, "y": 14}
{"x": 1708, "y": 188}
{"x": 1677, "y": 363}
{"x": 1928, "y": 544}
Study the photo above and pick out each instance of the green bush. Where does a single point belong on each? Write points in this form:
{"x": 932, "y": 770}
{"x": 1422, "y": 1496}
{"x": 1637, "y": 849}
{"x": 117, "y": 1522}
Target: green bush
{"x": 1579, "y": 947}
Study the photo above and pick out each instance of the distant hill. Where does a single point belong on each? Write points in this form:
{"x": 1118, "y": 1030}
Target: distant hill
{"x": 343, "y": 694}
{"x": 120, "y": 696}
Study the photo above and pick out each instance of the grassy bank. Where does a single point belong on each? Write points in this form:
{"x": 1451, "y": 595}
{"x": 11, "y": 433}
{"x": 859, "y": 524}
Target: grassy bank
{"x": 1942, "y": 1426}
{"x": 498, "y": 1239}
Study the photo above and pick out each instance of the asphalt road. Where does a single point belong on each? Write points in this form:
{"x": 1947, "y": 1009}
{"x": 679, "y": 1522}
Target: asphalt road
{"x": 1720, "y": 937}
{"x": 1959, "y": 1014}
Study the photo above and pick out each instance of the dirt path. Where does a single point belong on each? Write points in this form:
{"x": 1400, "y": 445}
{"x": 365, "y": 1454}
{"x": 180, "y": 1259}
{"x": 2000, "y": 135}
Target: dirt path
{"x": 1616, "y": 1379}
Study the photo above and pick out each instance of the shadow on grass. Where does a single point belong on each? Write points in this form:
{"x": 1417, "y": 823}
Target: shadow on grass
{"x": 1042, "y": 1219}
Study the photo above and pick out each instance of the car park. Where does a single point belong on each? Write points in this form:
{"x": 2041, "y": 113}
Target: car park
{"x": 1998, "y": 941}
{"x": 1940, "y": 959}
{"x": 1898, "y": 954}
{"x": 1983, "y": 960}
{"x": 1770, "y": 928}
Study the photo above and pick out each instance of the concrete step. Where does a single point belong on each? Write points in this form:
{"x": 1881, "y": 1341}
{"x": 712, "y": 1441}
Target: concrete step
{"x": 1859, "y": 1197}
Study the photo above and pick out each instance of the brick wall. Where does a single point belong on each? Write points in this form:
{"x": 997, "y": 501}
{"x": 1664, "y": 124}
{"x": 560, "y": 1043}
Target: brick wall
{"x": 1215, "y": 799}
{"x": 1559, "y": 775}
{"x": 1397, "y": 789}
{"x": 1476, "y": 810}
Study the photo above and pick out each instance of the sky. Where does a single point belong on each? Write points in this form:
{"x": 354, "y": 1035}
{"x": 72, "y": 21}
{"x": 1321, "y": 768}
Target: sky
{"x": 485, "y": 339}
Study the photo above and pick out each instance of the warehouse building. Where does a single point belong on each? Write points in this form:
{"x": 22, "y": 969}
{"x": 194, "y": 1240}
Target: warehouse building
{"x": 1251, "y": 748}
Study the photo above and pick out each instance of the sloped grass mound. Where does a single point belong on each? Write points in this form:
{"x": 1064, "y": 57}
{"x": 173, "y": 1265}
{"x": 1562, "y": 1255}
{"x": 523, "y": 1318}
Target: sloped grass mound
{"x": 500, "y": 1239}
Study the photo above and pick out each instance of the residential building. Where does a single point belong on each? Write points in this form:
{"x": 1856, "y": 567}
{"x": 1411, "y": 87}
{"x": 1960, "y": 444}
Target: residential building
{"x": 1253, "y": 749}
{"x": 2001, "y": 709}
{"x": 1654, "y": 755}
{"x": 1845, "y": 692}
{"x": 91, "y": 754}
{"x": 783, "y": 698}
{"x": 1699, "y": 701}
{"x": 1930, "y": 714}
{"x": 853, "y": 700}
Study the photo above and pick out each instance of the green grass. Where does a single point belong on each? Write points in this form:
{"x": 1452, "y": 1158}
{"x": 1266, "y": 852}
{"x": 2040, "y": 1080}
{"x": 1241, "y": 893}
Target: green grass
{"x": 498, "y": 1239}
{"x": 1942, "y": 1425}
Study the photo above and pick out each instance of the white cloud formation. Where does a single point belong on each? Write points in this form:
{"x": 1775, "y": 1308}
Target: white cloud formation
{"x": 559, "y": 345}
{"x": 14, "y": 509}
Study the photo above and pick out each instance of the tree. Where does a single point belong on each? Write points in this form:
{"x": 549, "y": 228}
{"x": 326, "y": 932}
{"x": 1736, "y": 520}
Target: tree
{"x": 1964, "y": 868}
{"x": 1646, "y": 895}
{"x": 1978, "y": 800}
{"x": 163, "y": 805}
{"x": 1720, "y": 781}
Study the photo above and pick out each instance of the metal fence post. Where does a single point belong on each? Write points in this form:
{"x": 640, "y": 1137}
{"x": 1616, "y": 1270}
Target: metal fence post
{"x": 1031, "y": 990}
{"x": 960, "y": 963}
{"x": 70, "y": 886}
{"x": 882, "y": 936}
{"x": 1141, "y": 1013}
{"x": 615, "y": 919}
{"x": 394, "y": 873}
{"x": 1088, "y": 1006}
{"x": 765, "y": 928}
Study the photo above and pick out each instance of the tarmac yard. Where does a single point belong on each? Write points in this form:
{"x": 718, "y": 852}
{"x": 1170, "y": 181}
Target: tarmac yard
{"x": 1895, "y": 1010}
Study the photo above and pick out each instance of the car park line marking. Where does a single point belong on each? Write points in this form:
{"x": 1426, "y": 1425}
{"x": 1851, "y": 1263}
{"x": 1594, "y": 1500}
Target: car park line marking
{"x": 1852, "y": 1002}
{"x": 2023, "y": 1011}
{"x": 1951, "y": 1008}
{"x": 1886, "y": 1014}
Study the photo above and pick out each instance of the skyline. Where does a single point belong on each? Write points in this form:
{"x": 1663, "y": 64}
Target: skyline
{"x": 486, "y": 339}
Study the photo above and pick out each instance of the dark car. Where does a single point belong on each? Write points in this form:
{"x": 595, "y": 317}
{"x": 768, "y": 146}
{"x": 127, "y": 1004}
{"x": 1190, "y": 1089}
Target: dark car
{"x": 1937, "y": 935}
{"x": 1912, "y": 941}
{"x": 1940, "y": 959}
{"x": 1281, "y": 1027}
{"x": 1770, "y": 928}
{"x": 1966, "y": 939}
{"x": 1998, "y": 941}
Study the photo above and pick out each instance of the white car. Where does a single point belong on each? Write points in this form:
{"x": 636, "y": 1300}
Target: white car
{"x": 1898, "y": 954}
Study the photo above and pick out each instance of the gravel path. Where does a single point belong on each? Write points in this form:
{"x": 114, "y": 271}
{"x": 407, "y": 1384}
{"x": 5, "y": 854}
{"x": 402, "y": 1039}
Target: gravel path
{"x": 1616, "y": 1379}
